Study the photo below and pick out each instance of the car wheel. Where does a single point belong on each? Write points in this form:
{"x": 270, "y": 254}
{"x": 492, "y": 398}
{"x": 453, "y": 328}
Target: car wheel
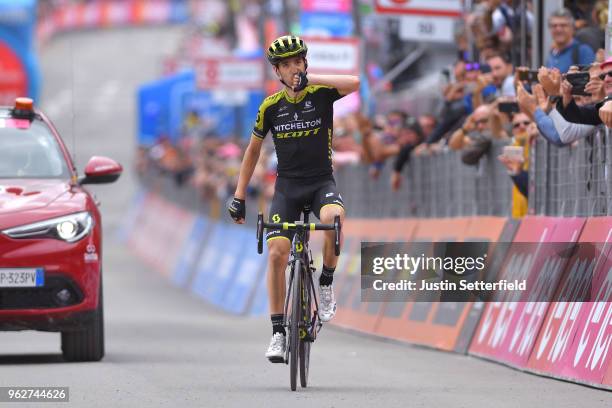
{"x": 86, "y": 344}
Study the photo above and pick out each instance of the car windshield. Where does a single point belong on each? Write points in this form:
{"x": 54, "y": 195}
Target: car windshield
{"x": 29, "y": 150}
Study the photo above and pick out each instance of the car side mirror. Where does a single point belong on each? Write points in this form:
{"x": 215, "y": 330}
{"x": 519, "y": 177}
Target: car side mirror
{"x": 101, "y": 170}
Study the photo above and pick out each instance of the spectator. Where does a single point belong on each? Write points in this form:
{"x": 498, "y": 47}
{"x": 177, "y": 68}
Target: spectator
{"x": 501, "y": 74}
{"x": 428, "y": 123}
{"x": 590, "y": 114}
{"x": 379, "y": 146}
{"x": 550, "y": 122}
{"x": 480, "y": 87}
{"x": 500, "y": 78}
{"x": 482, "y": 125}
{"x": 524, "y": 132}
{"x": 345, "y": 148}
{"x": 411, "y": 136}
{"x": 520, "y": 179}
{"x": 566, "y": 50}
{"x": 454, "y": 109}
{"x": 588, "y": 29}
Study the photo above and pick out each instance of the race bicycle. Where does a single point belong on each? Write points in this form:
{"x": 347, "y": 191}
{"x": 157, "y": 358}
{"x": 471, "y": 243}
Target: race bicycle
{"x": 302, "y": 321}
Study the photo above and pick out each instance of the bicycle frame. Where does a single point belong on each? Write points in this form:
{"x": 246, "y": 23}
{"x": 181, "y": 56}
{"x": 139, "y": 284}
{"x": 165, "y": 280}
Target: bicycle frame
{"x": 300, "y": 250}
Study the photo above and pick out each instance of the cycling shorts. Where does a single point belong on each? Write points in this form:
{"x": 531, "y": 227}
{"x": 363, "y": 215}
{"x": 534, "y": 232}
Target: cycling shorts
{"x": 291, "y": 195}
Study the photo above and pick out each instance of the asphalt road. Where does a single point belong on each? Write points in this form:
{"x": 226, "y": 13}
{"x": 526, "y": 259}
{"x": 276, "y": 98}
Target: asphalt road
{"x": 166, "y": 348}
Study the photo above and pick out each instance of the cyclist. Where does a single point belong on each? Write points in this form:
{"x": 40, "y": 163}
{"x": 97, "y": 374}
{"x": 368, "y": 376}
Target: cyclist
{"x": 299, "y": 118}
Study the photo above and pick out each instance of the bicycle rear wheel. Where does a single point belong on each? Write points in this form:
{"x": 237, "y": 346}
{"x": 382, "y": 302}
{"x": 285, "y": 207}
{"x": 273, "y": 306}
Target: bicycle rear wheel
{"x": 304, "y": 346}
{"x": 296, "y": 316}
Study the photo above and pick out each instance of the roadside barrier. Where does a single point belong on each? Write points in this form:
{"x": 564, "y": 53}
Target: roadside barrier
{"x": 111, "y": 13}
{"x": 218, "y": 262}
{"x": 508, "y": 327}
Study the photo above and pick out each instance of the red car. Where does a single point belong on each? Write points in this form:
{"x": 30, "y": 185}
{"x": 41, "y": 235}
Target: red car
{"x": 50, "y": 234}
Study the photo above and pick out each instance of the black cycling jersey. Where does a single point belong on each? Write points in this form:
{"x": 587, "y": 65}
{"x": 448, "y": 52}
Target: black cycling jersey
{"x": 301, "y": 130}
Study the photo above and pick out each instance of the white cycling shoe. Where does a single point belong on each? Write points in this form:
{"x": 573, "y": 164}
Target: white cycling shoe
{"x": 277, "y": 348}
{"x": 327, "y": 303}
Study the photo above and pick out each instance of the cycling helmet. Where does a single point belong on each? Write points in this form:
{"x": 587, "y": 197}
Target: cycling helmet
{"x": 285, "y": 47}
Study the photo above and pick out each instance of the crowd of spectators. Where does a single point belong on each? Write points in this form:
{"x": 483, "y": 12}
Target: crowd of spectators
{"x": 486, "y": 99}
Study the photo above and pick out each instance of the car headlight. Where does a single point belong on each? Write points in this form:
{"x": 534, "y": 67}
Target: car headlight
{"x": 69, "y": 228}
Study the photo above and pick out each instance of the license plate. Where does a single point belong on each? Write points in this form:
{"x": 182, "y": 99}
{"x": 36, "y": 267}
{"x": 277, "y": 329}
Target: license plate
{"x": 22, "y": 278}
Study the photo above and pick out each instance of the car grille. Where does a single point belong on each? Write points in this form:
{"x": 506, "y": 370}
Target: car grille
{"x": 42, "y": 297}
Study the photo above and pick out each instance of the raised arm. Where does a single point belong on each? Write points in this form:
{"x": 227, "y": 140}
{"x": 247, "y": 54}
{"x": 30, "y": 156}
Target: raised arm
{"x": 345, "y": 84}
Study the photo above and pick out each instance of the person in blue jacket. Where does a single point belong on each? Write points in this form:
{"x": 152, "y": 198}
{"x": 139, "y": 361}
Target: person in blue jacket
{"x": 566, "y": 50}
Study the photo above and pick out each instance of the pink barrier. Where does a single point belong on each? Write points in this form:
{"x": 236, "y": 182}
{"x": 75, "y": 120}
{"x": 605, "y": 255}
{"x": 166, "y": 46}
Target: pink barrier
{"x": 508, "y": 328}
{"x": 569, "y": 343}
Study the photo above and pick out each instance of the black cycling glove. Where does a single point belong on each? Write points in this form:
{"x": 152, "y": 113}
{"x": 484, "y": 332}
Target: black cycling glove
{"x": 237, "y": 209}
{"x": 303, "y": 81}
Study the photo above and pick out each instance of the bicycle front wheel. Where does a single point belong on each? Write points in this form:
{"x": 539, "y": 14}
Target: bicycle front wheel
{"x": 294, "y": 330}
{"x": 304, "y": 346}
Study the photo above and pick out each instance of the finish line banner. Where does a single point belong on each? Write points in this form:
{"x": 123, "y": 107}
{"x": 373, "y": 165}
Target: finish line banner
{"x": 466, "y": 272}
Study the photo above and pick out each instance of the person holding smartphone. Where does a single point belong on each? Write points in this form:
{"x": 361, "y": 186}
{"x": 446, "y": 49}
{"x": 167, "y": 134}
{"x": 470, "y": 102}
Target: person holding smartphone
{"x": 595, "y": 113}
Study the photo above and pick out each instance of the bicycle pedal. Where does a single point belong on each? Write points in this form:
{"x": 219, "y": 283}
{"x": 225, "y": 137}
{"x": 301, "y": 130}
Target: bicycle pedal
{"x": 276, "y": 360}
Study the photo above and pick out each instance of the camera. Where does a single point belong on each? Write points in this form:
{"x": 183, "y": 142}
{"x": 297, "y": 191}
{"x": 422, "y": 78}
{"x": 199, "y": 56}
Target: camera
{"x": 578, "y": 81}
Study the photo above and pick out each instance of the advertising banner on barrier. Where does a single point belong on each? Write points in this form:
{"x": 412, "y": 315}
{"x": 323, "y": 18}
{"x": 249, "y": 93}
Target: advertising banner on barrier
{"x": 185, "y": 267}
{"x": 444, "y": 325}
{"x": 509, "y": 326}
{"x": 607, "y": 381}
{"x": 160, "y": 244}
{"x": 257, "y": 295}
{"x": 210, "y": 259}
{"x": 352, "y": 312}
{"x": 107, "y": 13}
{"x": 249, "y": 288}
{"x": 229, "y": 264}
{"x": 588, "y": 358}
{"x": 573, "y": 340}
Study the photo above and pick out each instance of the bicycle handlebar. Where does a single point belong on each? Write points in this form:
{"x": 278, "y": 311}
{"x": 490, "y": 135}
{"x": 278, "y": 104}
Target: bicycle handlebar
{"x": 286, "y": 226}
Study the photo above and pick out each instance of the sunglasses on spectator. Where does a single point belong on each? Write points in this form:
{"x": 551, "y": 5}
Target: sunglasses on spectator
{"x": 605, "y": 74}
{"x": 472, "y": 66}
{"x": 524, "y": 123}
{"x": 481, "y": 121}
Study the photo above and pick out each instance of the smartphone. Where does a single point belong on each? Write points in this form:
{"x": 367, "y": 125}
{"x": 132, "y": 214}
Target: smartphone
{"x": 529, "y": 76}
{"x": 513, "y": 152}
{"x": 485, "y": 68}
{"x": 508, "y": 107}
{"x": 578, "y": 81}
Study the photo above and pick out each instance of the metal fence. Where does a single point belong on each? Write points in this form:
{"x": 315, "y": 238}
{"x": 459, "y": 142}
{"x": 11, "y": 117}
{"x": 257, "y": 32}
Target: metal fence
{"x": 433, "y": 186}
{"x": 563, "y": 181}
{"x": 572, "y": 180}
